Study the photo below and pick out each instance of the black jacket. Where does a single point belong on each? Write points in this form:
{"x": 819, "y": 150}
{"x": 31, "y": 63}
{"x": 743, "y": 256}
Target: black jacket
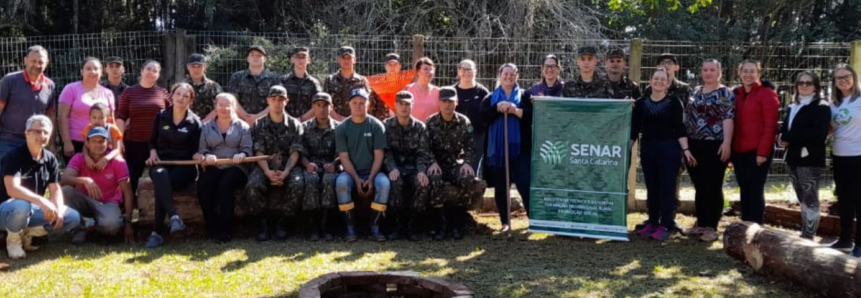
{"x": 809, "y": 130}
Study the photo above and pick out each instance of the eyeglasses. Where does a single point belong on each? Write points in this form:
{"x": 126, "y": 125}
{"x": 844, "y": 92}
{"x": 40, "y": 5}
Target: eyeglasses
{"x": 843, "y": 78}
{"x": 804, "y": 84}
{"x": 39, "y": 131}
{"x": 549, "y": 66}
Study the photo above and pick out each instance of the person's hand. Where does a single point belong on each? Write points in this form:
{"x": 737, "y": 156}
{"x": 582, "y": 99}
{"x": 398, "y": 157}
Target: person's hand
{"x": 725, "y": 151}
{"x": 68, "y": 148}
{"x": 784, "y": 144}
{"x": 93, "y": 190}
{"x": 369, "y": 187}
{"x": 282, "y": 175}
{"x": 153, "y": 158}
{"x": 394, "y": 174}
{"x": 210, "y": 159}
{"x": 237, "y": 158}
{"x": 311, "y": 167}
{"x": 360, "y": 186}
{"x": 49, "y": 210}
{"x": 434, "y": 170}
{"x": 689, "y": 157}
{"x": 329, "y": 167}
{"x": 502, "y": 107}
{"x": 101, "y": 164}
{"x": 271, "y": 175}
{"x": 423, "y": 179}
{"x": 760, "y": 160}
{"x": 89, "y": 163}
{"x": 467, "y": 170}
{"x": 129, "y": 233}
{"x": 198, "y": 157}
{"x": 60, "y": 219}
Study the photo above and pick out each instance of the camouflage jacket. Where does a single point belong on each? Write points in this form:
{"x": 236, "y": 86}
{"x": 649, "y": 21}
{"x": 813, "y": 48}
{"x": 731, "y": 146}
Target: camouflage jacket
{"x": 451, "y": 141}
{"x": 300, "y": 91}
{"x": 251, "y": 91}
{"x": 599, "y": 87}
{"x": 409, "y": 146}
{"x": 319, "y": 143}
{"x": 678, "y": 89}
{"x": 204, "y": 101}
{"x": 625, "y": 88}
{"x": 339, "y": 88}
{"x": 277, "y": 139}
{"x": 116, "y": 90}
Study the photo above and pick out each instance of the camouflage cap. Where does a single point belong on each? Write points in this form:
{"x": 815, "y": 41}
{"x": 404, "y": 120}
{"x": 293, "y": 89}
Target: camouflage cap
{"x": 196, "y": 59}
{"x": 587, "y": 50}
{"x": 278, "y": 90}
{"x": 346, "y": 50}
{"x": 666, "y": 56}
{"x": 322, "y": 96}
{"x": 298, "y": 50}
{"x": 256, "y": 48}
{"x": 616, "y": 52}
{"x": 447, "y": 93}
{"x": 404, "y": 96}
{"x": 113, "y": 59}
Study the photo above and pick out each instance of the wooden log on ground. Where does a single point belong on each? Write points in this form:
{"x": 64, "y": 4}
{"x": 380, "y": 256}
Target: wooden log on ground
{"x": 782, "y": 254}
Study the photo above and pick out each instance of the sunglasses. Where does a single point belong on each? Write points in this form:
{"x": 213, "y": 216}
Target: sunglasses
{"x": 843, "y": 78}
{"x": 804, "y": 84}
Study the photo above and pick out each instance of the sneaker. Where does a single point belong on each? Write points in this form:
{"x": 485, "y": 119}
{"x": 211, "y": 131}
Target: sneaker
{"x": 840, "y": 244}
{"x": 641, "y": 225}
{"x": 14, "y": 246}
{"x": 661, "y": 233}
{"x": 176, "y": 225}
{"x": 646, "y": 230}
{"x": 696, "y": 230}
{"x": 79, "y": 236}
{"x": 136, "y": 215}
{"x": 856, "y": 252}
{"x": 154, "y": 240}
{"x": 710, "y": 235}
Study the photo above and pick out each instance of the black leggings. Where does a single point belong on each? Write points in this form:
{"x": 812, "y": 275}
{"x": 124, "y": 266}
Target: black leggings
{"x": 847, "y": 180}
{"x": 216, "y": 191}
{"x": 166, "y": 180}
{"x": 751, "y": 183}
{"x": 708, "y": 178}
{"x": 520, "y": 170}
{"x": 136, "y": 155}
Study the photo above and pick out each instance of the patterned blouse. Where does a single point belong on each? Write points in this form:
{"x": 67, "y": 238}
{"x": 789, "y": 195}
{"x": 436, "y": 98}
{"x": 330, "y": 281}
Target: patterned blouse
{"x": 705, "y": 112}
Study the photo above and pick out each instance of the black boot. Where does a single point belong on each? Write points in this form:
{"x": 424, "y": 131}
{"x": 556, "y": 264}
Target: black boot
{"x": 315, "y": 226}
{"x": 413, "y": 233}
{"x": 324, "y": 225}
{"x": 280, "y": 230}
{"x": 377, "y": 217}
{"x": 439, "y": 235}
{"x": 350, "y": 236}
{"x": 394, "y": 223}
{"x": 263, "y": 235}
{"x": 455, "y": 216}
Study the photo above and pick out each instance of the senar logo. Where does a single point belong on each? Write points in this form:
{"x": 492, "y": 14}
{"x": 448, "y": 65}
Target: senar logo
{"x": 552, "y": 153}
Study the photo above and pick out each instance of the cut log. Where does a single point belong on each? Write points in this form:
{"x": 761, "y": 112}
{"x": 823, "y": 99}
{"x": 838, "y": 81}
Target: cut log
{"x": 781, "y": 254}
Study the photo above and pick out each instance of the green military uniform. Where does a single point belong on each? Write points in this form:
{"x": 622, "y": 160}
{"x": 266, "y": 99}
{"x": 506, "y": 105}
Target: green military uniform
{"x": 250, "y": 90}
{"x": 340, "y": 87}
{"x": 320, "y": 147}
{"x": 599, "y": 87}
{"x": 625, "y": 88}
{"x": 280, "y": 140}
{"x": 300, "y": 91}
{"x": 452, "y": 144}
{"x": 409, "y": 153}
{"x": 204, "y": 101}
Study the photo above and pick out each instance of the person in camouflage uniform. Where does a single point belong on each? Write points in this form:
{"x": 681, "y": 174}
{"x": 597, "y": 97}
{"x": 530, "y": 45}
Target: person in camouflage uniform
{"x": 321, "y": 166}
{"x": 275, "y": 188}
{"x": 204, "y": 88}
{"x": 589, "y": 84}
{"x": 115, "y": 71}
{"x": 300, "y": 85}
{"x": 620, "y": 84}
{"x": 340, "y": 84}
{"x": 251, "y": 86}
{"x": 407, "y": 160}
{"x": 451, "y": 137}
{"x": 677, "y": 88}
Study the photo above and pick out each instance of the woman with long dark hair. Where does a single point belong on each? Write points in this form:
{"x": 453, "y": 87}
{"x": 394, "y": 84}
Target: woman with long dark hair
{"x": 846, "y": 121}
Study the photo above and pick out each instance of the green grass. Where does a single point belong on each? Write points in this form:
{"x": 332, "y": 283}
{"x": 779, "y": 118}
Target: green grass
{"x": 491, "y": 264}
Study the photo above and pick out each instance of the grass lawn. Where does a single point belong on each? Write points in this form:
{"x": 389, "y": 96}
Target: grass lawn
{"x": 491, "y": 264}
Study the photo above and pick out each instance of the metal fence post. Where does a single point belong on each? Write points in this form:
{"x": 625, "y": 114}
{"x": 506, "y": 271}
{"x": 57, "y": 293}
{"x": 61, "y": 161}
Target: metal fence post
{"x": 418, "y": 47}
{"x": 855, "y": 56}
{"x": 635, "y": 62}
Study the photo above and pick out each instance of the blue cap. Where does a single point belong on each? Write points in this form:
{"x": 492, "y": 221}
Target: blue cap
{"x": 98, "y": 131}
{"x": 360, "y": 92}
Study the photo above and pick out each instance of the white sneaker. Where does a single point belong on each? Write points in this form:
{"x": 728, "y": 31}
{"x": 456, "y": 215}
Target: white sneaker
{"x": 14, "y": 247}
{"x": 27, "y": 237}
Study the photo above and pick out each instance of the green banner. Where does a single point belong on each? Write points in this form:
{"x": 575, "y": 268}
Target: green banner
{"x": 579, "y": 167}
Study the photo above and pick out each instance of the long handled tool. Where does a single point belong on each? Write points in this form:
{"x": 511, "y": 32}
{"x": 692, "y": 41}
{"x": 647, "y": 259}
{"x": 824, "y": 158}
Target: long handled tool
{"x": 217, "y": 161}
{"x": 507, "y": 169}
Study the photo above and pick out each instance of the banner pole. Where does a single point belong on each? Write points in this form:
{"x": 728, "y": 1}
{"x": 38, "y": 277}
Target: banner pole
{"x": 507, "y": 173}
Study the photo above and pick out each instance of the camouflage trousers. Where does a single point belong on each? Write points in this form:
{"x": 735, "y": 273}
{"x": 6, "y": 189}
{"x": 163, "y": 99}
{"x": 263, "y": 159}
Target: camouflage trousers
{"x": 262, "y": 197}
{"x": 407, "y": 192}
{"x": 465, "y": 188}
{"x": 319, "y": 190}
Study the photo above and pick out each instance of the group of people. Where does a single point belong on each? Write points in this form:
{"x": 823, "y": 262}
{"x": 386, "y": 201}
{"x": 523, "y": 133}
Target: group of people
{"x": 291, "y": 145}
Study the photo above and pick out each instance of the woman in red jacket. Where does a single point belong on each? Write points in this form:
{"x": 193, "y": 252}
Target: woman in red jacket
{"x": 753, "y": 140}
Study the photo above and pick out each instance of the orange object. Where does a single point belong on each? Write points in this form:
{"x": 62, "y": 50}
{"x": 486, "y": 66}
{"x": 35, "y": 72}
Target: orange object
{"x": 386, "y": 86}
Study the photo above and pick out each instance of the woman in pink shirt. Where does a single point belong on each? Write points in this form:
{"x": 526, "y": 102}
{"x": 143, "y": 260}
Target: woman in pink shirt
{"x": 75, "y": 102}
{"x": 425, "y": 94}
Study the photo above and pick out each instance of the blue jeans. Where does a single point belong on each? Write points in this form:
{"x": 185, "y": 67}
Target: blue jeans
{"x": 8, "y": 145}
{"x": 344, "y": 186}
{"x": 17, "y": 214}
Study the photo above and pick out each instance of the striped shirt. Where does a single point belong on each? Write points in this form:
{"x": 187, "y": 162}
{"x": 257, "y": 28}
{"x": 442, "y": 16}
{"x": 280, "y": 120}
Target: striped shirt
{"x": 141, "y": 105}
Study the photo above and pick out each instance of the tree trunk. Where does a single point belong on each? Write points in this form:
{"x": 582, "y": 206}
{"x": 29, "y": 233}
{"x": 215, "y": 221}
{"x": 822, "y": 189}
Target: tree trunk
{"x": 778, "y": 253}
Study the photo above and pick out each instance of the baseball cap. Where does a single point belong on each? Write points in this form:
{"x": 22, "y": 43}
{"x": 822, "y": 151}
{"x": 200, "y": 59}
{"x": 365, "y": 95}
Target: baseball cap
{"x": 113, "y": 59}
{"x": 256, "y": 48}
{"x": 666, "y": 56}
{"x": 196, "y": 59}
{"x": 298, "y": 50}
{"x": 346, "y": 50}
{"x": 393, "y": 57}
{"x": 616, "y": 52}
{"x": 404, "y": 96}
{"x": 360, "y": 92}
{"x": 587, "y": 50}
{"x": 277, "y": 90}
{"x": 447, "y": 93}
{"x": 322, "y": 96}
{"x": 98, "y": 131}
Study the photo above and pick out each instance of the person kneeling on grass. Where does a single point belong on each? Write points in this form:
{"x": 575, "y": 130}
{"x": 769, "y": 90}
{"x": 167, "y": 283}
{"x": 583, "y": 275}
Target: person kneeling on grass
{"x": 97, "y": 193}
{"x": 27, "y": 171}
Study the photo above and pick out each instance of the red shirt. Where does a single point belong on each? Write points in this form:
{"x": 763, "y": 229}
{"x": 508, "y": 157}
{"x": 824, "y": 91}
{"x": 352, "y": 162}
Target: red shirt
{"x": 755, "y": 120}
{"x": 141, "y": 105}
